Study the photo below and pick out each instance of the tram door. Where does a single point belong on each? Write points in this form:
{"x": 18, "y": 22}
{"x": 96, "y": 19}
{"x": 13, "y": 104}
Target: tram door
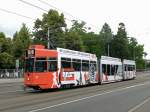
{"x": 92, "y": 71}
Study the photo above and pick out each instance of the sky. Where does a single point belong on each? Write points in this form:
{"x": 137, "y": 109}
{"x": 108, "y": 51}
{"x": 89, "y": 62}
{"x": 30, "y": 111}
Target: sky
{"x": 133, "y": 13}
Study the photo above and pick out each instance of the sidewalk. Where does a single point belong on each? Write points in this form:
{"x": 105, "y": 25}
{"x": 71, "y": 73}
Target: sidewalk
{"x": 13, "y": 80}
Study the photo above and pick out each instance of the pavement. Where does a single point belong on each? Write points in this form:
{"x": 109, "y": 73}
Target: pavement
{"x": 126, "y": 96}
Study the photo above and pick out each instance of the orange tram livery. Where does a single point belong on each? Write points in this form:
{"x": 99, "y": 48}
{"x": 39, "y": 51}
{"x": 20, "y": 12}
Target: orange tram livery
{"x": 61, "y": 68}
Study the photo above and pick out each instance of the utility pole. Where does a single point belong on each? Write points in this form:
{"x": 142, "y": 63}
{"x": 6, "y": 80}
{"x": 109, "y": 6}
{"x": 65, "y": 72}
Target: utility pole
{"x": 48, "y": 44}
{"x": 108, "y": 49}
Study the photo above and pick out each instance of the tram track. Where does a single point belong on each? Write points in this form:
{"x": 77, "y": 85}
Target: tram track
{"x": 31, "y": 98}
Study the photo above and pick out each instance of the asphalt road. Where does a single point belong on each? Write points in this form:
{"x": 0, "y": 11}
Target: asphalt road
{"x": 127, "y": 96}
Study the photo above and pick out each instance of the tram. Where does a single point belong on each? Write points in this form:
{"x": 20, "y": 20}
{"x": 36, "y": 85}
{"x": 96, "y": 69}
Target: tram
{"x": 61, "y": 68}
{"x": 129, "y": 69}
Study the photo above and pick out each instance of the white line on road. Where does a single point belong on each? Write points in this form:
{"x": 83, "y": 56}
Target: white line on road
{"x": 139, "y": 105}
{"x": 88, "y": 97}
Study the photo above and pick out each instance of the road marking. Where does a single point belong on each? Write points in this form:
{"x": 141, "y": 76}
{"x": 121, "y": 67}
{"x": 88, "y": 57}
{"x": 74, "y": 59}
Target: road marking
{"x": 139, "y": 105}
{"x": 88, "y": 97}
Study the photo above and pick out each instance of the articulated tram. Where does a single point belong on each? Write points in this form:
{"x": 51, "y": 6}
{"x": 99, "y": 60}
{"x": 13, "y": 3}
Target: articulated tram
{"x": 61, "y": 68}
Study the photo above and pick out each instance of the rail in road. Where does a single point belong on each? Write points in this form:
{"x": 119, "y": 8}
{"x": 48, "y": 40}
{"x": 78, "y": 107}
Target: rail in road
{"x": 127, "y": 96}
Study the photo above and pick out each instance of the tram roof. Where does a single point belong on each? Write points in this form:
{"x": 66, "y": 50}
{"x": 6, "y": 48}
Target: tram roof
{"x": 130, "y": 62}
{"x": 110, "y": 60}
{"x": 76, "y": 54}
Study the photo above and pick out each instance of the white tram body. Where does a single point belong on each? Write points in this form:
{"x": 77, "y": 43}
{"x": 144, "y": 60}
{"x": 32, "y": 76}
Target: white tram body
{"x": 110, "y": 69}
{"x": 129, "y": 69}
{"x": 77, "y": 68}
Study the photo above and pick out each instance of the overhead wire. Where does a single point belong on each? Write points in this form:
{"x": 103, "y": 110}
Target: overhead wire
{"x": 48, "y": 4}
{"x": 11, "y": 12}
{"x": 36, "y": 6}
{"x": 66, "y": 13}
{"x": 28, "y": 3}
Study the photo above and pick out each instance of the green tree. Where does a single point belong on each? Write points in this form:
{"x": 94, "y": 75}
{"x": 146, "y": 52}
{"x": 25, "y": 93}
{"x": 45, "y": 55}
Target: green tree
{"x": 6, "y": 57}
{"x": 132, "y": 46}
{"x": 106, "y": 38}
{"x": 93, "y": 43}
{"x": 6, "y": 45}
{"x": 22, "y": 40}
{"x": 119, "y": 46}
{"x": 73, "y": 41}
{"x": 2, "y": 35}
{"x": 54, "y": 22}
{"x": 78, "y": 27}
{"x": 6, "y": 61}
{"x": 15, "y": 36}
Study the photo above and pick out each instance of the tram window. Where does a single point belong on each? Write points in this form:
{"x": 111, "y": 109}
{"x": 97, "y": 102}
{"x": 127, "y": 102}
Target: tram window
{"x": 112, "y": 69}
{"x": 133, "y": 67}
{"x": 40, "y": 65}
{"x": 29, "y": 64}
{"x": 116, "y": 69}
{"x": 129, "y": 67}
{"x": 104, "y": 68}
{"x": 108, "y": 70}
{"x": 85, "y": 65}
{"x": 52, "y": 64}
{"x": 126, "y": 67}
{"x": 66, "y": 62}
{"x": 76, "y": 64}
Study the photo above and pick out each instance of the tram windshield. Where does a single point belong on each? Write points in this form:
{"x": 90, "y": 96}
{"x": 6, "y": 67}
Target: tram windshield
{"x": 41, "y": 65}
{"x": 29, "y": 64}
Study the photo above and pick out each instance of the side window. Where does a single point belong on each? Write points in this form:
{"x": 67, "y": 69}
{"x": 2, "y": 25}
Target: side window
{"x": 129, "y": 68}
{"x": 112, "y": 69}
{"x": 108, "y": 70}
{"x": 133, "y": 67}
{"x": 66, "y": 63}
{"x": 116, "y": 69}
{"x": 76, "y": 64}
{"x": 104, "y": 68}
{"x": 40, "y": 65}
{"x": 126, "y": 67}
{"x": 85, "y": 65}
{"x": 52, "y": 64}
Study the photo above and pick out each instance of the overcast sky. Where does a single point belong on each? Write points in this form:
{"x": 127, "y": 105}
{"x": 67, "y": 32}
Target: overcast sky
{"x": 134, "y": 13}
